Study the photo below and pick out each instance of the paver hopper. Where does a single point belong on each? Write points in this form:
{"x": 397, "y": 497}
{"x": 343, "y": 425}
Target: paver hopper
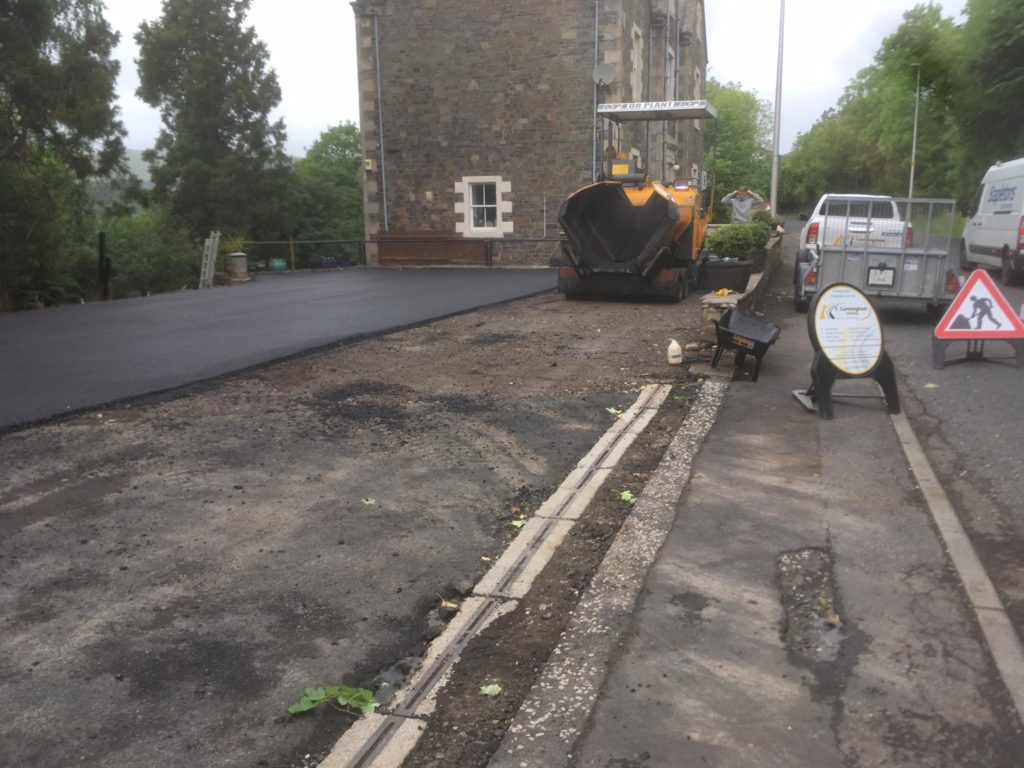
{"x": 626, "y": 235}
{"x": 630, "y": 236}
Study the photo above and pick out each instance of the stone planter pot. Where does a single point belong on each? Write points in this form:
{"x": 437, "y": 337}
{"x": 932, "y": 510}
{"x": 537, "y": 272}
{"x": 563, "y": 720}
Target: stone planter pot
{"x": 733, "y": 274}
{"x": 758, "y": 257}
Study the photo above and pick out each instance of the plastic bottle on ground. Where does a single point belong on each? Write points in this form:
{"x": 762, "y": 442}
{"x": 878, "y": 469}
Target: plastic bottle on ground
{"x": 675, "y": 353}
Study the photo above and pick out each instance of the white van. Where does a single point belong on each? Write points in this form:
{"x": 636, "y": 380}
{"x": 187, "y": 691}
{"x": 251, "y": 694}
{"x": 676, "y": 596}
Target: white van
{"x": 994, "y": 235}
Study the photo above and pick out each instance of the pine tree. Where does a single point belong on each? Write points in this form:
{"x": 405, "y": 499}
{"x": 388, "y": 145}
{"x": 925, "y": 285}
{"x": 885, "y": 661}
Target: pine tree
{"x": 219, "y": 160}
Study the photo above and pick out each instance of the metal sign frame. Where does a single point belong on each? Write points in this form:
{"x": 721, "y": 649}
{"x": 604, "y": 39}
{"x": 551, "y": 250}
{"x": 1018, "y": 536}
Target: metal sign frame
{"x": 827, "y": 368}
{"x": 639, "y": 111}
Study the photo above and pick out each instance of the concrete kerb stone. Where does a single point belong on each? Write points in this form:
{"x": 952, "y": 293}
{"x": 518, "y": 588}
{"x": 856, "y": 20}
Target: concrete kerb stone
{"x": 385, "y": 740}
{"x": 396, "y": 736}
{"x": 419, "y": 697}
{"x": 569, "y": 503}
{"x": 514, "y": 572}
{"x": 556, "y": 710}
{"x": 612, "y": 458}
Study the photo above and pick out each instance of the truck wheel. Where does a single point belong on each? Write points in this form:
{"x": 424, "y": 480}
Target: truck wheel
{"x": 1007, "y": 273}
{"x": 964, "y": 262}
{"x": 800, "y": 303}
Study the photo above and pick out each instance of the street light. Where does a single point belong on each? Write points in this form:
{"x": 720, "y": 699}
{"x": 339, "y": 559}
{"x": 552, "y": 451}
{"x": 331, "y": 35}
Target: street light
{"x": 778, "y": 109}
{"x": 913, "y": 146}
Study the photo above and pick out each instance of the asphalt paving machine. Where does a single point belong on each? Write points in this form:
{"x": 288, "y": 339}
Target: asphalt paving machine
{"x": 627, "y": 235}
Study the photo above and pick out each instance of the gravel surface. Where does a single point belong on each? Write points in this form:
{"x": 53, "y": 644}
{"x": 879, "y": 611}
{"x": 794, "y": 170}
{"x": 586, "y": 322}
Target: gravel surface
{"x": 175, "y": 571}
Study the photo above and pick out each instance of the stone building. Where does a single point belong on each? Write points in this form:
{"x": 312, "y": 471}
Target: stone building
{"x": 479, "y": 118}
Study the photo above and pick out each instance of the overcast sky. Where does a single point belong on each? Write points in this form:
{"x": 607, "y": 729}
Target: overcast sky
{"x": 312, "y": 48}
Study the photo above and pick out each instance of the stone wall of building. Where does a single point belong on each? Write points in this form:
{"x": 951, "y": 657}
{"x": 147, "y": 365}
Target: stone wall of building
{"x": 499, "y": 91}
{"x": 660, "y": 53}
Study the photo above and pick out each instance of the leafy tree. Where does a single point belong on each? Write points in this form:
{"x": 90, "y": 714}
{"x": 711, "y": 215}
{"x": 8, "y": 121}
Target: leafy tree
{"x": 992, "y": 84}
{"x": 327, "y": 194}
{"x": 742, "y": 141}
{"x": 57, "y": 84}
{"x": 927, "y": 41}
{"x": 58, "y": 125}
{"x": 219, "y": 161}
{"x": 865, "y": 143}
{"x": 45, "y": 225}
{"x": 149, "y": 253}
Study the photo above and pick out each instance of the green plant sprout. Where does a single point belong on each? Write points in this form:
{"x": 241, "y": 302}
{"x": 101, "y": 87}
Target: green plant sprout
{"x": 355, "y": 701}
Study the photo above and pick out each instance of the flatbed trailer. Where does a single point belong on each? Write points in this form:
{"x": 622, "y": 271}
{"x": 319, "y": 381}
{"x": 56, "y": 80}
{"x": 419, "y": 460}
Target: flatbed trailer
{"x": 922, "y": 269}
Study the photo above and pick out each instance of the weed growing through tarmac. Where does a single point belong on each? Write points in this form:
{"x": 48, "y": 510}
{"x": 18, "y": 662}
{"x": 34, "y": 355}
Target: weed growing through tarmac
{"x": 355, "y": 701}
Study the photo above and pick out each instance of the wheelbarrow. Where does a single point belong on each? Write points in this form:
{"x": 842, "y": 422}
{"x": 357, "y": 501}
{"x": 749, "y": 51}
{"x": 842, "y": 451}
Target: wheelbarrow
{"x": 745, "y": 335}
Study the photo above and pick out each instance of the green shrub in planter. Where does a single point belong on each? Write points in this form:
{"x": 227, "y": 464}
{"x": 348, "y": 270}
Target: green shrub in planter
{"x": 760, "y": 234}
{"x": 732, "y": 241}
{"x": 761, "y": 216}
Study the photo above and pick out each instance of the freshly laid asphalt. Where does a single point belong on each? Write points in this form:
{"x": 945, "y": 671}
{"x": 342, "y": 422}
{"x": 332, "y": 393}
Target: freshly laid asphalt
{"x": 709, "y": 669}
{"x": 69, "y": 358}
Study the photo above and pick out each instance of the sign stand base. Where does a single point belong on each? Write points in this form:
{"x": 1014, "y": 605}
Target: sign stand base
{"x": 975, "y": 351}
{"x": 824, "y": 374}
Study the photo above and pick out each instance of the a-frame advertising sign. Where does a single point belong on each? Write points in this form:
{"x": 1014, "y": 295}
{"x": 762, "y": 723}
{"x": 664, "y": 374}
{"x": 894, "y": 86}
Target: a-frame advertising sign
{"x": 979, "y": 313}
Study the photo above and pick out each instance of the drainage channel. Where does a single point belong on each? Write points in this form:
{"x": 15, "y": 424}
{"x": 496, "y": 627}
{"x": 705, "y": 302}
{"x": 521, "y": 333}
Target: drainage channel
{"x": 383, "y": 741}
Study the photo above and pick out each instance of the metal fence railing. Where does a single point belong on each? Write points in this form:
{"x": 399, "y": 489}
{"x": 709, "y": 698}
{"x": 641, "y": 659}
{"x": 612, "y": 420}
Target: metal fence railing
{"x": 401, "y": 250}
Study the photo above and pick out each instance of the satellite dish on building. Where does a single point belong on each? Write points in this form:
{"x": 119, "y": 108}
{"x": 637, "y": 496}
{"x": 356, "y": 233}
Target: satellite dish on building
{"x": 604, "y": 74}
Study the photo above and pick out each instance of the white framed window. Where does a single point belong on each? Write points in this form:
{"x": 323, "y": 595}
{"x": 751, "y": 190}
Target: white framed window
{"x": 482, "y": 208}
{"x": 483, "y": 205}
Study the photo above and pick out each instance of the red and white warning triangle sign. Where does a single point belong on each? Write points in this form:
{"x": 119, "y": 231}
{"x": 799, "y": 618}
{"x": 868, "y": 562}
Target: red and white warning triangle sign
{"x": 979, "y": 311}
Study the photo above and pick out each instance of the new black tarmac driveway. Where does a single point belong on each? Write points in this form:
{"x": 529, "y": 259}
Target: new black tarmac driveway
{"x": 65, "y": 359}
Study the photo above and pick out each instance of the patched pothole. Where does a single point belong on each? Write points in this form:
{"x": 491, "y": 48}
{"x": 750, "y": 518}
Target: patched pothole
{"x": 813, "y": 628}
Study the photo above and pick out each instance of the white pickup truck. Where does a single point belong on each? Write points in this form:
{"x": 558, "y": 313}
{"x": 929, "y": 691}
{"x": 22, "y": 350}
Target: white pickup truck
{"x": 868, "y": 241}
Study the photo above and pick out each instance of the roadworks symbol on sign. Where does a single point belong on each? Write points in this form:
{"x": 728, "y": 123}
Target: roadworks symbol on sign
{"x": 979, "y": 311}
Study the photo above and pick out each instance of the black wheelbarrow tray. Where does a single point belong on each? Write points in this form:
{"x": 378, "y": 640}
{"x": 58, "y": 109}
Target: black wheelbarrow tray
{"x": 745, "y": 335}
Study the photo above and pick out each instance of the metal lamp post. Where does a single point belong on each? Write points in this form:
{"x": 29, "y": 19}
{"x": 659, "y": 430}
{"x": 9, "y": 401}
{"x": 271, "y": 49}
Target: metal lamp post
{"x": 913, "y": 146}
{"x": 778, "y": 108}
